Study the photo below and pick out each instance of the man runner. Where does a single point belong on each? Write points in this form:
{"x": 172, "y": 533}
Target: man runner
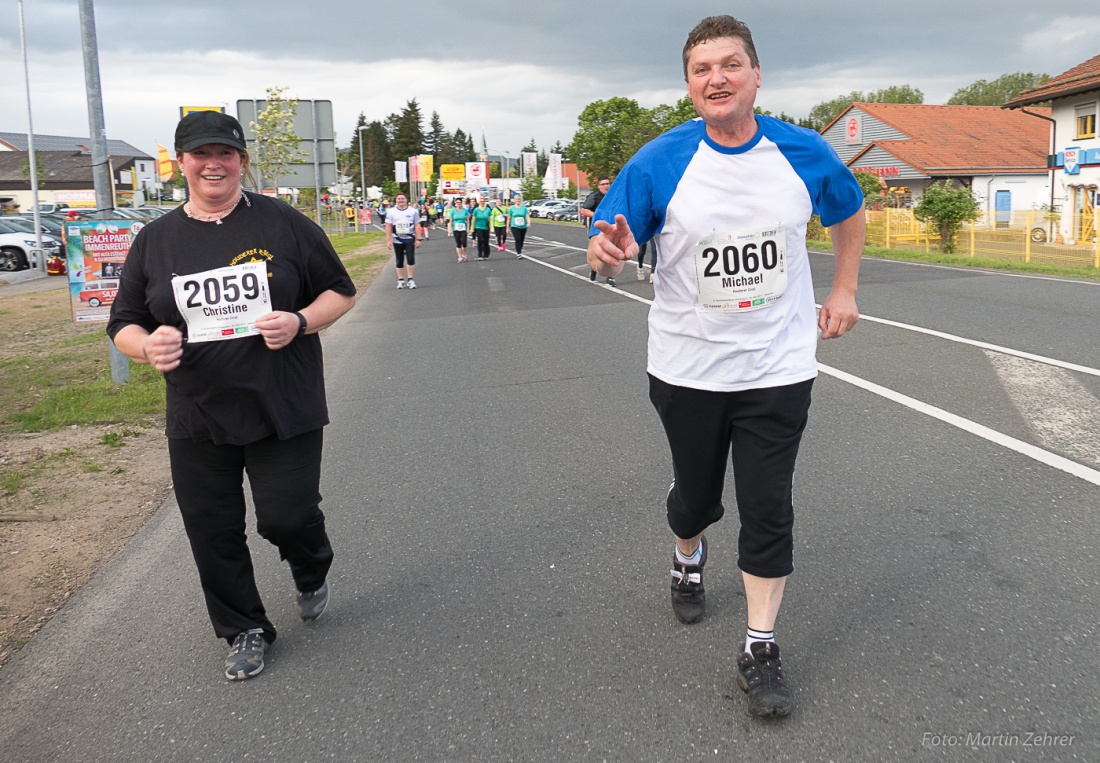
{"x": 732, "y": 329}
{"x": 402, "y": 237}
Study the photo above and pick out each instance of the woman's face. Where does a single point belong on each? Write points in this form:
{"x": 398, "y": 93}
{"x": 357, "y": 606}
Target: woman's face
{"x": 213, "y": 173}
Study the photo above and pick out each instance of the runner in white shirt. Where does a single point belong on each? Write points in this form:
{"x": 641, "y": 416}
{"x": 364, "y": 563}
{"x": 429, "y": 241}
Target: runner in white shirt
{"x": 403, "y": 236}
{"x": 732, "y": 332}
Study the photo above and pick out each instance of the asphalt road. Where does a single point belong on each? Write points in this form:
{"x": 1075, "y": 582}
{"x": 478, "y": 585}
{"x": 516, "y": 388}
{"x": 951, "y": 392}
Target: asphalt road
{"x": 494, "y": 483}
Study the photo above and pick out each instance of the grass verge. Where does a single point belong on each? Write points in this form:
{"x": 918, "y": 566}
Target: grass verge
{"x": 54, "y": 374}
{"x": 965, "y": 261}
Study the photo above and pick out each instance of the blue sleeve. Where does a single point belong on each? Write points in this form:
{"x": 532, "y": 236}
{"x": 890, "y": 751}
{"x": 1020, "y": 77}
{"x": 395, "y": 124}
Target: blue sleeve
{"x": 645, "y": 186}
{"x": 834, "y": 190}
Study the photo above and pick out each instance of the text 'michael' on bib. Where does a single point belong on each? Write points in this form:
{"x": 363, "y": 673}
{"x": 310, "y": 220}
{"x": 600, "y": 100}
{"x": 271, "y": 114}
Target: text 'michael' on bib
{"x": 223, "y": 303}
{"x": 739, "y": 272}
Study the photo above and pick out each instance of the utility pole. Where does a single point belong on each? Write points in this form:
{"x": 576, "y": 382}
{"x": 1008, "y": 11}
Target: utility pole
{"x": 32, "y": 160}
{"x": 102, "y": 177}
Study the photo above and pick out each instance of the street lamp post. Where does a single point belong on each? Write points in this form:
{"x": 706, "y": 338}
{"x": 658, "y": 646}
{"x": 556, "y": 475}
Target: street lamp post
{"x": 362, "y": 172}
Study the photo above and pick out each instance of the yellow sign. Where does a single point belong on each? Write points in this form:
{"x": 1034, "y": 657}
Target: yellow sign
{"x": 185, "y": 110}
{"x": 452, "y": 172}
{"x": 426, "y": 168}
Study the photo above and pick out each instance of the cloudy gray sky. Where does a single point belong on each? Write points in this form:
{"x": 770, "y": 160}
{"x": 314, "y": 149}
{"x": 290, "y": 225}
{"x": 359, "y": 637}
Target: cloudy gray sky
{"x": 517, "y": 70}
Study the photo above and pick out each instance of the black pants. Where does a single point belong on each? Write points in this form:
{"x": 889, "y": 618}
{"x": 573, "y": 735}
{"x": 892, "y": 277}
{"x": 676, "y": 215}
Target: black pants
{"x": 763, "y": 429}
{"x": 518, "y": 234}
{"x": 481, "y": 235}
{"x": 285, "y": 476}
{"x": 404, "y": 250}
{"x": 501, "y": 232}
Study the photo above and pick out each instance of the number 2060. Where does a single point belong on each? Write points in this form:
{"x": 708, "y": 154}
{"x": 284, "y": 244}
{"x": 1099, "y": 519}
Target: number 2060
{"x": 749, "y": 258}
{"x": 214, "y": 290}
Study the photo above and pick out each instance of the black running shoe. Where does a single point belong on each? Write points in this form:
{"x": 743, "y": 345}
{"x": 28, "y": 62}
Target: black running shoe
{"x": 688, "y": 597}
{"x": 760, "y": 675}
{"x": 246, "y": 658}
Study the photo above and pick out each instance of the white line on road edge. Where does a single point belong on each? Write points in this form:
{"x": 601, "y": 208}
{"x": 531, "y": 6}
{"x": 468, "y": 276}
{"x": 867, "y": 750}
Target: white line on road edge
{"x": 627, "y": 294}
{"x": 992, "y": 435}
{"x": 1021, "y": 447}
{"x": 983, "y": 345}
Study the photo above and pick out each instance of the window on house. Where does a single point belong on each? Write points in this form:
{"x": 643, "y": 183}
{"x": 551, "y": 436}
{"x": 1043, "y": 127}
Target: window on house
{"x": 1086, "y": 121}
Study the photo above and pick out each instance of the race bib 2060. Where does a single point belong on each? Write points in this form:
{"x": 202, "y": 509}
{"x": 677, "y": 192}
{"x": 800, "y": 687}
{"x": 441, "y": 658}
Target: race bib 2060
{"x": 223, "y": 303}
{"x": 738, "y": 272}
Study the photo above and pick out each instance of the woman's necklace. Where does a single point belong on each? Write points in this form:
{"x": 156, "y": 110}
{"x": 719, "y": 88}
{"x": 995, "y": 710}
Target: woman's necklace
{"x": 217, "y": 216}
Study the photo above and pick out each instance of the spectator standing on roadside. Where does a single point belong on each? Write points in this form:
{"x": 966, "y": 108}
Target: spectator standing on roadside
{"x": 732, "y": 330}
{"x": 402, "y": 235}
{"x": 458, "y": 223}
{"x": 588, "y": 211}
{"x": 243, "y": 397}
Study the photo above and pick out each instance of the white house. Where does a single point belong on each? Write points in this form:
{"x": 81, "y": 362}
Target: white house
{"x": 1074, "y": 161}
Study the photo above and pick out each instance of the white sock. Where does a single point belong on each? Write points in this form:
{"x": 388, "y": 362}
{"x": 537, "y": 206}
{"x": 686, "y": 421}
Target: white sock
{"x": 694, "y": 559}
{"x": 754, "y": 635}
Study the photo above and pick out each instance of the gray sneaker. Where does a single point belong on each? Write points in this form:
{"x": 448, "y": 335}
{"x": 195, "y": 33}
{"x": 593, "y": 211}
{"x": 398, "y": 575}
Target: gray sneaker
{"x": 312, "y": 605}
{"x": 246, "y": 658}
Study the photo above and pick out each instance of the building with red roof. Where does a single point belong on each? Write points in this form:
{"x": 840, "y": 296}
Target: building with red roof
{"x": 1075, "y": 149}
{"x": 1001, "y": 156}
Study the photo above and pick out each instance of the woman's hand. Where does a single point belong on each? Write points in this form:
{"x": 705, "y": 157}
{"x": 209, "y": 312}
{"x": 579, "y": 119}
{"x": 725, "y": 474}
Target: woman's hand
{"x": 163, "y": 348}
{"x": 278, "y": 329}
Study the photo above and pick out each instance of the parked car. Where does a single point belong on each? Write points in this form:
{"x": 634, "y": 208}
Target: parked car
{"x": 97, "y": 293}
{"x": 18, "y": 249}
{"x": 569, "y": 211}
{"x": 544, "y": 209}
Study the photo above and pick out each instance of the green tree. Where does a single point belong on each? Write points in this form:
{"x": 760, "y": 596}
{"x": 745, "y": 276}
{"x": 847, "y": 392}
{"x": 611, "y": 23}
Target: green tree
{"x": 390, "y": 188}
{"x": 826, "y": 111}
{"x": 408, "y": 134}
{"x": 435, "y": 141}
{"x": 276, "y": 146}
{"x": 999, "y": 91}
{"x": 668, "y": 117}
{"x": 531, "y": 187}
{"x": 872, "y": 186}
{"x": 377, "y": 158}
{"x": 947, "y": 208}
{"x": 353, "y": 147}
{"x": 610, "y": 133}
{"x": 39, "y": 169}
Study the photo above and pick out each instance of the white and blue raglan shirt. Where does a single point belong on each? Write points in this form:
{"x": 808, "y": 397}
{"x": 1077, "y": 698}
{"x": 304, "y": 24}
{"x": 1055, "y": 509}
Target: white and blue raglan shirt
{"x": 734, "y": 300}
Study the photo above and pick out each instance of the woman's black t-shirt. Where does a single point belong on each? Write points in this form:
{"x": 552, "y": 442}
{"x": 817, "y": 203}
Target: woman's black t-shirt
{"x": 235, "y": 391}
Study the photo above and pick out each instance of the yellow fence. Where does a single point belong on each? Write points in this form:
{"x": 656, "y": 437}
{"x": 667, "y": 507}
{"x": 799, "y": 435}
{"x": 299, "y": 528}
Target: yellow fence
{"x": 1024, "y": 237}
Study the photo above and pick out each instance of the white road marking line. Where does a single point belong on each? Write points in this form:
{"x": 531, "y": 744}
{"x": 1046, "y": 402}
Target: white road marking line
{"x": 983, "y": 345}
{"x": 626, "y": 294}
{"x": 1026, "y": 449}
{"x": 998, "y": 438}
{"x": 1068, "y": 418}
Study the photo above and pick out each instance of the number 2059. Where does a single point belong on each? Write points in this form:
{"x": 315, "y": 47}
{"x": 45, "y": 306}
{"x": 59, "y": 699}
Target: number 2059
{"x": 213, "y": 291}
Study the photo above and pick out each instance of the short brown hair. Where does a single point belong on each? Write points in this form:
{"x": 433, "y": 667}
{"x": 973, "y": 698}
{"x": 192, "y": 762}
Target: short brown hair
{"x": 715, "y": 28}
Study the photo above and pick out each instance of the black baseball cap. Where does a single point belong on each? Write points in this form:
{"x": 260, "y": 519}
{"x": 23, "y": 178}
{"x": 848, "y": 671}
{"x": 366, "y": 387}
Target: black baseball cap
{"x": 201, "y": 128}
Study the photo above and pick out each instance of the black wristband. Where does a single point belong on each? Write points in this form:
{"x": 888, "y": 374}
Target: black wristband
{"x": 301, "y": 323}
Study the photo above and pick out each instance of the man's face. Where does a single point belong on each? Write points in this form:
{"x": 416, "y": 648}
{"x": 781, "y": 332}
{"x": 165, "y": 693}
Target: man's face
{"x": 604, "y": 186}
{"x": 402, "y": 201}
{"x": 722, "y": 82}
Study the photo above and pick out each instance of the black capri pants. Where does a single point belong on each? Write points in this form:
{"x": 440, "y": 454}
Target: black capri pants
{"x": 762, "y": 428}
{"x": 481, "y": 237}
{"x": 460, "y": 239}
{"x": 518, "y": 234}
{"x": 285, "y": 477}
{"x": 404, "y": 250}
